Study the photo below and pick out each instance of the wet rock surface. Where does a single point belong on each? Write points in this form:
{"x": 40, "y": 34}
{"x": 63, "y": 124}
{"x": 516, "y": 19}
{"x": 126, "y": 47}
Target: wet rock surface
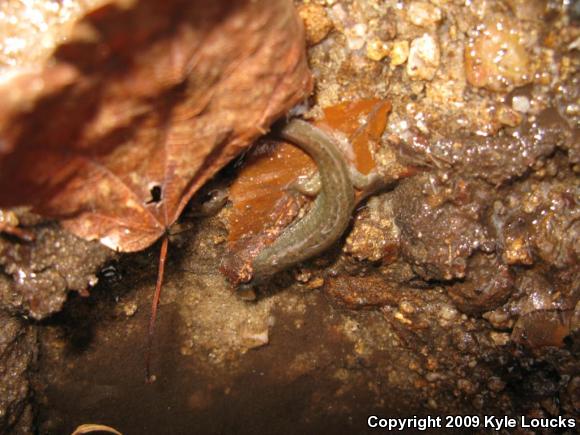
{"x": 454, "y": 292}
{"x": 38, "y": 275}
{"x": 18, "y": 353}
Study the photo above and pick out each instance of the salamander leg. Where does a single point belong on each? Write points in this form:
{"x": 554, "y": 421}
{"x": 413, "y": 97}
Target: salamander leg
{"x": 308, "y": 186}
{"x": 368, "y": 184}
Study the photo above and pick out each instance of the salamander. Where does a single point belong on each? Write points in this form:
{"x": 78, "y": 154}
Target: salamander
{"x": 330, "y": 214}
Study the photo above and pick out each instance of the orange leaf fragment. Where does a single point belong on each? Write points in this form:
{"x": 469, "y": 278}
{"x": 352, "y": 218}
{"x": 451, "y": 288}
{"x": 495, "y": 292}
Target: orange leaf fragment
{"x": 364, "y": 122}
{"x": 262, "y": 182}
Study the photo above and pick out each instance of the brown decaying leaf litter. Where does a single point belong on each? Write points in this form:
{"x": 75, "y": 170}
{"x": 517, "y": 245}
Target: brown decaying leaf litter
{"x": 150, "y": 133}
{"x": 142, "y": 103}
{"x": 455, "y": 291}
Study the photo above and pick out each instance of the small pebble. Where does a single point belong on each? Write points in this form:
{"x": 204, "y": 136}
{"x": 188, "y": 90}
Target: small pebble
{"x": 377, "y": 49}
{"x": 315, "y": 283}
{"x": 521, "y": 103}
{"x": 433, "y": 376}
{"x": 517, "y": 251}
{"x": 316, "y": 23}
{"x": 356, "y": 36}
{"x": 496, "y": 58}
{"x": 129, "y": 309}
{"x": 507, "y": 116}
{"x": 401, "y": 318}
{"x": 257, "y": 340}
{"x": 303, "y": 276}
{"x": 406, "y": 307}
{"x": 424, "y": 14}
{"x": 399, "y": 52}
{"x": 424, "y": 58}
{"x": 499, "y": 338}
{"x": 448, "y": 312}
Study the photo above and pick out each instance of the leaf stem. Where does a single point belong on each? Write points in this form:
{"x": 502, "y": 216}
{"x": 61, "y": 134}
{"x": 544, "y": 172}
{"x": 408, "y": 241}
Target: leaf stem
{"x": 155, "y": 303}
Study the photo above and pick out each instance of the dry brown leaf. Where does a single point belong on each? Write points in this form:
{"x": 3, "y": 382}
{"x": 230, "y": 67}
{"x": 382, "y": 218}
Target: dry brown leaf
{"x": 145, "y": 101}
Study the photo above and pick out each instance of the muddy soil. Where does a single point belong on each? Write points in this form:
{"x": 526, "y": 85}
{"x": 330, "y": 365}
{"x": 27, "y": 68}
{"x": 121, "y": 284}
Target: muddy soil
{"x": 294, "y": 360}
{"x": 398, "y": 339}
{"x": 454, "y": 292}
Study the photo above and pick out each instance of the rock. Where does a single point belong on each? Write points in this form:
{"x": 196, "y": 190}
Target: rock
{"x": 399, "y": 52}
{"x": 424, "y": 14}
{"x": 496, "y": 59}
{"x": 424, "y": 58}
{"x": 44, "y": 271}
{"x": 521, "y": 103}
{"x": 316, "y": 23}
{"x": 377, "y": 49}
{"x": 356, "y": 36}
{"x": 17, "y": 355}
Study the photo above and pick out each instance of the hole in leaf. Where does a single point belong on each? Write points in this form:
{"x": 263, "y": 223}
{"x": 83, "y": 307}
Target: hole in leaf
{"x": 155, "y": 194}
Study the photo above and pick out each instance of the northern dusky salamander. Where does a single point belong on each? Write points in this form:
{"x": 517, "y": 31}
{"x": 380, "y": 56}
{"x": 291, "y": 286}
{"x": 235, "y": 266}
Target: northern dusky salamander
{"x": 329, "y": 215}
